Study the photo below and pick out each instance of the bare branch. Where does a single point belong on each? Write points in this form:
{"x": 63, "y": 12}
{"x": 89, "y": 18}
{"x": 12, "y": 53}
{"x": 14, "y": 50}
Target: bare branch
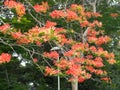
{"x": 88, "y": 1}
{"x": 95, "y": 1}
{"x": 5, "y": 43}
{"x": 40, "y": 24}
{"x": 85, "y": 35}
{"x": 2, "y": 21}
{"x": 93, "y": 4}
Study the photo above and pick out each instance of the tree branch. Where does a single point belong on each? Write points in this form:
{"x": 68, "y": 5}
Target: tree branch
{"x": 6, "y": 73}
{"x": 84, "y": 38}
{"x": 40, "y": 24}
{"x": 88, "y": 1}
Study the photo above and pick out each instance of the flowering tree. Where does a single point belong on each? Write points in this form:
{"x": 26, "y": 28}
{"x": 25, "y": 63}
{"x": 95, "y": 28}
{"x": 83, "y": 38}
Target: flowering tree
{"x": 75, "y": 37}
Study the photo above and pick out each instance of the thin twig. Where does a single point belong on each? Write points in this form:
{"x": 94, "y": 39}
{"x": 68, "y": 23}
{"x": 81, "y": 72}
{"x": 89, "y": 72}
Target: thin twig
{"x": 5, "y": 43}
{"x": 6, "y": 73}
{"x": 2, "y": 21}
{"x": 40, "y": 24}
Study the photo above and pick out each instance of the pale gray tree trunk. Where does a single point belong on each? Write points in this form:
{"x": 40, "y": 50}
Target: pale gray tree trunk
{"x": 93, "y": 4}
{"x": 75, "y": 84}
{"x": 94, "y": 7}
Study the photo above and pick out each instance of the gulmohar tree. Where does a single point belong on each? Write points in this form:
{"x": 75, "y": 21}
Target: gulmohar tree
{"x": 75, "y": 38}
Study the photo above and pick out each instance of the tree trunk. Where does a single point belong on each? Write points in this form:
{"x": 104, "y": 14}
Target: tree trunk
{"x": 94, "y": 7}
{"x": 75, "y": 84}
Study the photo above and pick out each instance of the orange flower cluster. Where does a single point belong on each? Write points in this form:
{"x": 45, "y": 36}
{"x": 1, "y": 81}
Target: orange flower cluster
{"x": 95, "y": 23}
{"x": 71, "y": 15}
{"x": 63, "y": 40}
{"x": 57, "y": 14}
{"x": 102, "y": 40}
{"x": 105, "y": 79}
{"x": 41, "y": 8}
{"x": 51, "y": 71}
{"x": 79, "y": 46}
{"x": 84, "y": 24}
{"x": 92, "y": 14}
{"x": 50, "y": 24}
{"x": 52, "y": 54}
{"x": 4, "y": 28}
{"x": 76, "y": 12}
{"x": 69, "y": 53}
{"x": 16, "y": 35}
{"x": 74, "y": 64}
{"x": 63, "y": 64}
{"x": 10, "y": 3}
{"x": 37, "y": 35}
{"x": 77, "y": 8}
{"x": 114, "y": 14}
{"x": 5, "y": 57}
{"x": 93, "y": 37}
{"x": 102, "y": 53}
{"x": 74, "y": 68}
{"x": 19, "y": 7}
